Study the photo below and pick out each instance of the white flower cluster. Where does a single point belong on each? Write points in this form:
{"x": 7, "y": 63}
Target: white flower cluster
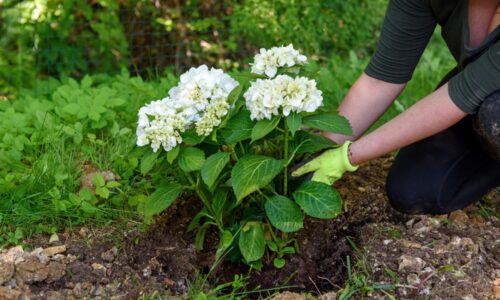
{"x": 267, "y": 61}
{"x": 199, "y": 101}
{"x": 283, "y": 94}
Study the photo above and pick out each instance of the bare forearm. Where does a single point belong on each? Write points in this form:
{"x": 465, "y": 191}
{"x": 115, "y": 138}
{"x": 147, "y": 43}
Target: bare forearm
{"x": 365, "y": 102}
{"x": 429, "y": 116}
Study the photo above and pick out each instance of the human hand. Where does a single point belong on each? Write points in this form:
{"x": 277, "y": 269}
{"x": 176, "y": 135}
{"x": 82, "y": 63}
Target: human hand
{"x": 329, "y": 166}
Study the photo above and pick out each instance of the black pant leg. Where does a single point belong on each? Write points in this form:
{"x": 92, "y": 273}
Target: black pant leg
{"x": 442, "y": 173}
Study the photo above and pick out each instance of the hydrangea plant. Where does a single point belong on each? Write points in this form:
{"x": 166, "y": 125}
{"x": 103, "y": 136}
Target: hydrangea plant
{"x": 233, "y": 152}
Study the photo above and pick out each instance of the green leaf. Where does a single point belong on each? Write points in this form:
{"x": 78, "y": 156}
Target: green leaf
{"x": 102, "y": 192}
{"x": 212, "y": 167}
{"x": 191, "y": 159}
{"x": 238, "y": 128}
{"x": 148, "y": 162}
{"x": 251, "y": 241}
{"x": 252, "y": 172}
{"x": 234, "y": 94}
{"x": 218, "y": 203}
{"x": 284, "y": 214}
{"x": 112, "y": 184}
{"x": 173, "y": 153}
{"x": 72, "y": 108}
{"x": 264, "y": 127}
{"x": 293, "y": 122}
{"x": 329, "y": 122}
{"x": 199, "y": 239}
{"x": 98, "y": 180}
{"x": 318, "y": 200}
{"x": 190, "y": 137}
{"x": 306, "y": 142}
{"x": 161, "y": 199}
{"x": 86, "y": 82}
{"x": 279, "y": 263}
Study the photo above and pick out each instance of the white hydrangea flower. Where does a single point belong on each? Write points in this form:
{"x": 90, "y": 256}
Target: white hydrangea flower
{"x": 199, "y": 100}
{"x": 160, "y": 125}
{"x": 282, "y": 95}
{"x": 267, "y": 61}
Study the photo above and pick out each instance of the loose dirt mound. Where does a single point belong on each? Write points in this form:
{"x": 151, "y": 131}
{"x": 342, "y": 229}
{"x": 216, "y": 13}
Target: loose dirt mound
{"x": 419, "y": 256}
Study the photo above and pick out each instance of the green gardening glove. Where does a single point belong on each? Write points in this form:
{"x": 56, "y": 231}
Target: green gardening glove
{"x": 329, "y": 166}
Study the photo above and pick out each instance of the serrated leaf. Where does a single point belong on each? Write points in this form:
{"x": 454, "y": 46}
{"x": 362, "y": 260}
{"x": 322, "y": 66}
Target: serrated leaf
{"x": 212, "y": 167}
{"x": 251, "y": 241}
{"x": 234, "y": 94}
{"x": 329, "y": 122}
{"x": 112, "y": 184}
{"x": 98, "y": 180}
{"x": 102, "y": 192}
{"x": 263, "y": 128}
{"x": 173, "y": 153}
{"x": 148, "y": 162}
{"x": 306, "y": 142}
{"x": 161, "y": 199}
{"x": 284, "y": 214}
{"x": 190, "y": 137}
{"x": 72, "y": 108}
{"x": 218, "y": 203}
{"x": 238, "y": 128}
{"x": 191, "y": 159}
{"x": 293, "y": 122}
{"x": 252, "y": 172}
{"x": 318, "y": 200}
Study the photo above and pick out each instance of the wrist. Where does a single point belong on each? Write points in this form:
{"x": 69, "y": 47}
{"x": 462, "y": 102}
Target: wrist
{"x": 349, "y": 165}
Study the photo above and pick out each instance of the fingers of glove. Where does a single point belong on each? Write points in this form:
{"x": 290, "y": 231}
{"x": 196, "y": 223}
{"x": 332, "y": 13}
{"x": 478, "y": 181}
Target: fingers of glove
{"x": 309, "y": 167}
{"x": 321, "y": 177}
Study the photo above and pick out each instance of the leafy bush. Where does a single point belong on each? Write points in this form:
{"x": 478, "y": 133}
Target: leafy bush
{"x": 239, "y": 168}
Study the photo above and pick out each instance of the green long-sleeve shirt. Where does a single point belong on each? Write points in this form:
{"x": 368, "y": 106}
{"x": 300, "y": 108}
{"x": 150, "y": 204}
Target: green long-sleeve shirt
{"x": 407, "y": 28}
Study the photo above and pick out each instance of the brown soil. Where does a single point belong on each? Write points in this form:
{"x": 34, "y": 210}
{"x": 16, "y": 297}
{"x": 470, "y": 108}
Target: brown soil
{"x": 428, "y": 257}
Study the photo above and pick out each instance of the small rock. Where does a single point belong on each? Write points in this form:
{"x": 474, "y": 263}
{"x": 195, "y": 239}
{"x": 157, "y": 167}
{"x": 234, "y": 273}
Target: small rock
{"x": 59, "y": 257}
{"x": 9, "y": 294}
{"x": 13, "y": 254}
{"x": 361, "y": 189}
{"x": 410, "y": 263}
{"x": 84, "y": 232}
{"x": 31, "y": 270}
{"x": 56, "y": 271}
{"x": 54, "y": 238}
{"x": 328, "y": 296}
{"x": 387, "y": 242}
{"x": 77, "y": 290}
{"x": 413, "y": 279}
{"x": 70, "y": 258}
{"x": 410, "y": 223}
{"x": 99, "y": 291}
{"x": 458, "y": 217}
{"x": 54, "y": 295}
{"x": 288, "y": 296}
{"x": 51, "y": 251}
{"x": 97, "y": 266}
{"x": 6, "y": 271}
{"x": 468, "y": 297}
{"x": 168, "y": 281}
{"x": 477, "y": 220}
{"x": 88, "y": 287}
{"x": 110, "y": 254}
{"x": 38, "y": 253}
{"x": 410, "y": 244}
{"x": 146, "y": 272}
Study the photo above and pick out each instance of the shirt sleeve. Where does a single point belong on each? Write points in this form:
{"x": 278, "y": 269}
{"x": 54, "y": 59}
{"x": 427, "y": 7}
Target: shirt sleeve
{"x": 478, "y": 80}
{"x": 407, "y": 28}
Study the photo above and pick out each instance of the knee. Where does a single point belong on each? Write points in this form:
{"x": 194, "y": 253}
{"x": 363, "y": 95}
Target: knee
{"x": 487, "y": 125}
{"x": 405, "y": 197}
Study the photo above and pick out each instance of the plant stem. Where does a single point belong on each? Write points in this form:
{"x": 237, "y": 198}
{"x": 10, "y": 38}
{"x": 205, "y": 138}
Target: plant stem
{"x": 233, "y": 153}
{"x": 285, "y": 174}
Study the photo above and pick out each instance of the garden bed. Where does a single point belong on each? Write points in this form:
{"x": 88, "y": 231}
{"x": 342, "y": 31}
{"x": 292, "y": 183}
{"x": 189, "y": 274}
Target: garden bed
{"x": 447, "y": 257}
